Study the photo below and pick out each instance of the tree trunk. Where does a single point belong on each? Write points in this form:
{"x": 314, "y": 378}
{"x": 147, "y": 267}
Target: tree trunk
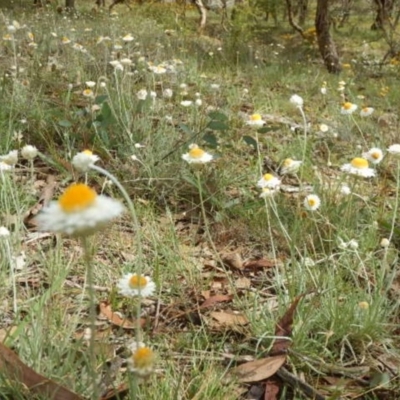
{"x": 292, "y": 23}
{"x": 384, "y": 9}
{"x": 203, "y": 13}
{"x": 303, "y": 9}
{"x": 326, "y": 44}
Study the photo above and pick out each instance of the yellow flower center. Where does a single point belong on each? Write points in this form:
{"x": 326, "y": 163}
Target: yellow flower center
{"x": 288, "y": 162}
{"x": 87, "y": 92}
{"x": 375, "y": 155}
{"x": 347, "y": 105}
{"x": 87, "y": 152}
{"x": 77, "y": 197}
{"x": 196, "y": 153}
{"x": 143, "y": 358}
{"x": 365, "y": 109}
{"x": 312, "y": 202}
{"x": 255, "y": 117}
{"x": 363, "y": 305}
{"x": 268, "y": 177}
{"x": 137, "y": 282}
{"x": 359, "y": 163}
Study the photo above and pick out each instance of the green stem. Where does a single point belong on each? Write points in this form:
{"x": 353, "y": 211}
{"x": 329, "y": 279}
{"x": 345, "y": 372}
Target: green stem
{"x": 92, "y": 317}
{"x": 14, "y": 285}
{"x": 396, "y": 205}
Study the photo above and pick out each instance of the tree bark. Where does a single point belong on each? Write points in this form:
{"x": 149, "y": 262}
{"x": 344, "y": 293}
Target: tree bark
{"x": 384, "y": 9}
{"x": 326, "y": 44}
{"x": 291, "y": 19}
{"x": 203, "y": 13}
{"x": 303, "y": 9}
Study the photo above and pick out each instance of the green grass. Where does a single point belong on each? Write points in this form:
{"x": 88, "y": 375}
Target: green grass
{"x": 178, "y": 239}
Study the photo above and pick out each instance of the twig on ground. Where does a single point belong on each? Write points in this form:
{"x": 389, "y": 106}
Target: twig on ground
{"x": 299, "y": 384}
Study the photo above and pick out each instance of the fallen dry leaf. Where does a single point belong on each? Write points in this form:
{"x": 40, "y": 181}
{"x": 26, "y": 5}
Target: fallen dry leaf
{"x": 115, "y": 319}
{"x": 116, "y": 394}
{"x": 44, "y": 199}
{"x": 272, "y": 389}
{"x": 284, "y": 328}
{"x": 218, "y": 298}
{"x": 242, "y": 283}
{"x": 261, "y": 263}
{"x": 14, "y": 369}
{"x": 233, "y": 261}
{"x": 225, "y": 319}
{"x": 258, "y": 370}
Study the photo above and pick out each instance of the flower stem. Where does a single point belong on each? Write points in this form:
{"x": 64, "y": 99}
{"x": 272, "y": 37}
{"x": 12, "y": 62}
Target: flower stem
{"x": 396, "y": 205}
{"x": 14, "y": 285}
{"x": 92, "y": 316}
{"x": 305, "y": 138}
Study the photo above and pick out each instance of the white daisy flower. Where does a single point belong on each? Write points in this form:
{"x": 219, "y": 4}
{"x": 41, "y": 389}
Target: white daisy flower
{"x": 4, "y": 232}
{"x": 78, "y": 212}
{"x": 255, "y": 120}
{"x": 128, "y": 38}
{"x": 126, "y": 61}
{"x": 11, "y": 29}
{"x": 186, "y": 103}
{"x": 345, "y": 190}
{"x": 196, "y": 155}
{"x": 88, "y": 93}
{"x": 269, "y": 181}
{"x": 5, "y": 167}
{"x": 374, "y": 155}
{"x": 351, "y": 244}
{"x": 84, "y": 160}
{"x": 141, "y": 94}
{"x": 312, "y": 202}
{"x": 394, "y": 150}
{"x": 158, "y": 69}
{"x": 142, "y": 360}
{"x": 29, "y": 152}
{"x": 366, "y": 111}
{"x": 132, "y": 285}
{"x": 323, "y": 128}
{"x": 11, "y": 158}
{"x": 348, "y": 108}
{"x": 90, "y": 84}
{"x": 117, "y": 65}
{"x": 360, "y": 167}
{"x": 289, "y": 166}
{"x": 168, "y": 93}
{"x": 385, "y": 243}
{"x": 297, "y": 101}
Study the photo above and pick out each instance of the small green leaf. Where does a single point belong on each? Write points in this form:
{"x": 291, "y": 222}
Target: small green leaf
{"x": 185, "y": 129}
{"x": 211, "y": 140}
{"x": 251, "y": 141}
{"x": 217, "y": 126}
{"x": 65, "y": 123}
{"x": 266, "y": 129}
{"x": 100, "y": 99}
{"x": 218, "y": 116}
